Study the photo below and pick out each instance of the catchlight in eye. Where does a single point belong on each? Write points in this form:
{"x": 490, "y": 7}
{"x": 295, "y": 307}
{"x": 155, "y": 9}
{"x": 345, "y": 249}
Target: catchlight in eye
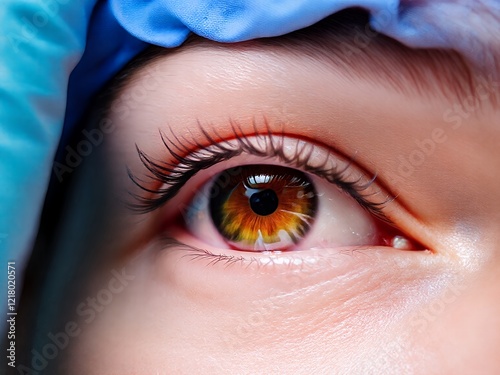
{"x": 269, "y": 193}
{"x": 262, "y": 207}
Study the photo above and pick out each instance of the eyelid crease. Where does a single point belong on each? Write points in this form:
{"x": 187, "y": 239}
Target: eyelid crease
{"x": 191, "y": 156}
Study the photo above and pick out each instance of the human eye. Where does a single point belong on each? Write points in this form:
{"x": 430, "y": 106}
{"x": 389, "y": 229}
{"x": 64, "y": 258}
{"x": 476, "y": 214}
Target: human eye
{"x": 248, "y": 197}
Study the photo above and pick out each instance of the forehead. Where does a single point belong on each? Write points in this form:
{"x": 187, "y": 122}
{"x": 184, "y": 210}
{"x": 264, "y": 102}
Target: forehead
{"x": 281, "y": 77}
{"x": 213, "y": 83}
{"x": 344, "y": 45}
{"x": 373, "y": 105}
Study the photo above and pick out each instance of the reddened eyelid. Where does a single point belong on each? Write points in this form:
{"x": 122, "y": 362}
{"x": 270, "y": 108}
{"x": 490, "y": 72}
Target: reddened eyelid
{"x": 280, "y": 262}
{"x": 190, "y": 157}
{"x": 166, "y": 143}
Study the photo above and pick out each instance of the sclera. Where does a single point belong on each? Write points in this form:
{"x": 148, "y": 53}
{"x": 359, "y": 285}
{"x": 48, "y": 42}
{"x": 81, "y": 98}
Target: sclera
{"x": 339, "y": 221}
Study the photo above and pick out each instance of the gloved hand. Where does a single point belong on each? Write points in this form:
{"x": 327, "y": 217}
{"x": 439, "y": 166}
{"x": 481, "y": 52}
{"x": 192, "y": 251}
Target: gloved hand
{"x": 44, "y": 39}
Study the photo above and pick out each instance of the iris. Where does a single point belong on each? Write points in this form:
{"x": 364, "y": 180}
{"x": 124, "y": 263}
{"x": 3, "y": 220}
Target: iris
{"x": 263, "y": 207}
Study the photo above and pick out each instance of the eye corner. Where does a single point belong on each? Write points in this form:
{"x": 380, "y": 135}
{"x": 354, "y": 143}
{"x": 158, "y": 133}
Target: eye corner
{"x": 296, "y": 154}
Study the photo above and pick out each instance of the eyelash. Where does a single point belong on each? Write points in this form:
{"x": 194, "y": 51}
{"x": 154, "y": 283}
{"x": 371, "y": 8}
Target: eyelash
{"x": 172, "y": 176}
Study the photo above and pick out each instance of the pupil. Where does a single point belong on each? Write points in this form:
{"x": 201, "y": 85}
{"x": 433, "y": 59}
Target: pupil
{"x": 262, "y": 207}
{"x": 264, "y": 202}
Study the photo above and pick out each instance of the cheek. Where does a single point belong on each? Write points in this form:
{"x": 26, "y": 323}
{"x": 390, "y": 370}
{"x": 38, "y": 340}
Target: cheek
{"x": 462, "y": 329}
{"x": 184, "y": 316}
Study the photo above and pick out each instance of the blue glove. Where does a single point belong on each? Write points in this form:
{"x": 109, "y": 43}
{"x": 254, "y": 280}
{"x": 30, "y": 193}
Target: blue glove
{"x": 48, "y": 37}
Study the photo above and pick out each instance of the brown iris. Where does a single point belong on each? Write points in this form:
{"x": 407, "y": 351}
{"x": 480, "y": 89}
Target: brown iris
{"x": 263, "y": 207}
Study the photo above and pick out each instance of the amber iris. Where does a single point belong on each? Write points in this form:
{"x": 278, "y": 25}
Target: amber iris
{"x": 262, "y": 207}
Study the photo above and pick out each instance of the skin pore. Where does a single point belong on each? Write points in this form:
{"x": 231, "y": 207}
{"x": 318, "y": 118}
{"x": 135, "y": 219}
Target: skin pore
{"x": 421, "y": 121}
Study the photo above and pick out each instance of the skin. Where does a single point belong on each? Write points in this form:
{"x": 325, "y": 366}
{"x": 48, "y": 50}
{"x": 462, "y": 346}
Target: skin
{"x": 377, "y": 310}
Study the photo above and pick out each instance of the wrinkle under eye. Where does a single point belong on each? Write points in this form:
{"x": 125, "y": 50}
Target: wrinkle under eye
{"x": 263, "y": 207}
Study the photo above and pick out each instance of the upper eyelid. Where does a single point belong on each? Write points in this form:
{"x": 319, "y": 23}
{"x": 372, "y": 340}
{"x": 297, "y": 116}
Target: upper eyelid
{"x": 191, "y": 156}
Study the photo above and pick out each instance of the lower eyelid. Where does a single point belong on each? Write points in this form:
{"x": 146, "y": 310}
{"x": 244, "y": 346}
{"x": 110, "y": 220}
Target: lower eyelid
{"x": 341, "y": 284}
{"x": 344, "y": 223}
{"x": 173, "y": 208}
{"x": 350, "y": 271}
{"x": 189, "y": 250}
